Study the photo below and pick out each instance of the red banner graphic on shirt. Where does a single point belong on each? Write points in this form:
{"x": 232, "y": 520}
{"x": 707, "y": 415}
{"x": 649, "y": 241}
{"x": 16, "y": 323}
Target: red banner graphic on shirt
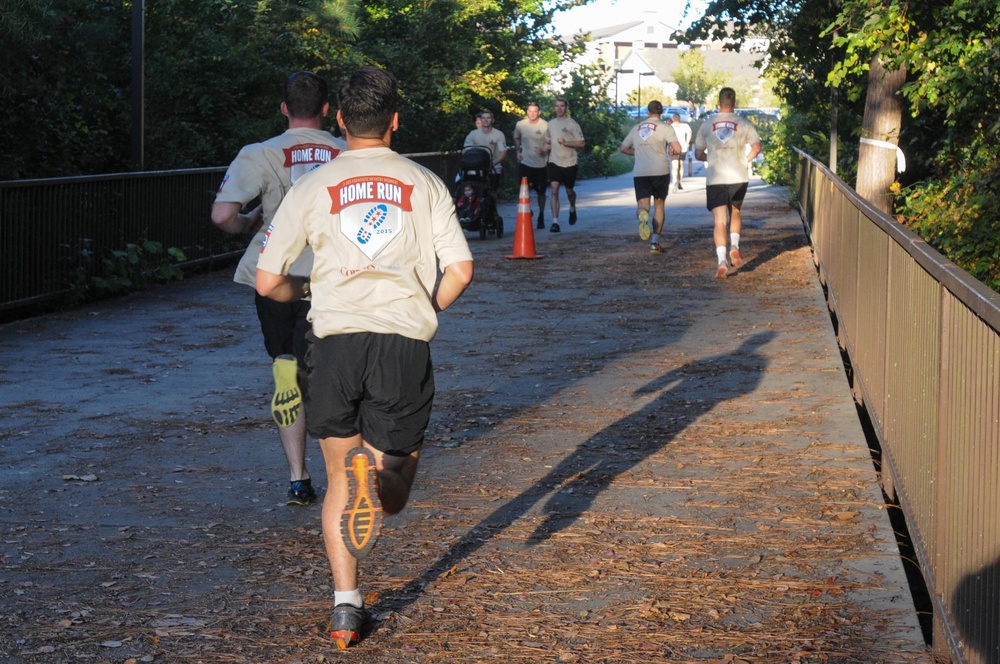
{"x": 370, "y": 189}
{"x": 309, "y": 153}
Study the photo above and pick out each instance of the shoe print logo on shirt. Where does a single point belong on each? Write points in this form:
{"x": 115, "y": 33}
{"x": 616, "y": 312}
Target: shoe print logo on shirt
{"x": 371, "y": 210}
{"x": 373, "y": 219}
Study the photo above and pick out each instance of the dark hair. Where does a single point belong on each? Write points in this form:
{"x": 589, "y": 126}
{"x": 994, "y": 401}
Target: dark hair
{"x": 533, "y": 103}
{"x": 305, "y": 94}
{"x": 655, "y": 107}
{"x": 727, "y": 97}
{"x": 368, "y": 100}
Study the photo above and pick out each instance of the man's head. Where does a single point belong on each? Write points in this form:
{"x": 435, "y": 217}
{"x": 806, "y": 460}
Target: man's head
{"x": 533, "y": 111}
{"x": 369, "y": 100}
{"x": 305, "y": 95}
{"x": 486, "y": 120}
{"x": 654, "y": 108}
{"x": 561, "y": 107}
{"x": 677, "y": 117}
{"x": 727, "y": 99}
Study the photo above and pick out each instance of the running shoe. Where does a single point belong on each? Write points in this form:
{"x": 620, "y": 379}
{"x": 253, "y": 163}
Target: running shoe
{"x": 645, "y": 232}
{"x": 346, "y": 624}
{"x": 287, "y": 399}
{"x": 554, "y": 228}
{"x": 734, "y": 258}
{"x": 362, "y": 519}
{"x": 301, "y": 493}
{"x": 722, "y": 272}
{"x": 655, "y": 249}
{"x": 572, "y": 217}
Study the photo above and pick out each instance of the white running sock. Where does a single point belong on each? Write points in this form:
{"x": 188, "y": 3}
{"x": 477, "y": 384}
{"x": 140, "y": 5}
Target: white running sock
{"x": 352, "y": 597}
{"x": 720, "y": 253}
{"x": 734, "y": 240}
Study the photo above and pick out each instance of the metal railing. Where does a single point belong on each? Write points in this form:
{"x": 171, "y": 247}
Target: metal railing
{"x": 922, "y": 336}
{"x": 55, "y": 231}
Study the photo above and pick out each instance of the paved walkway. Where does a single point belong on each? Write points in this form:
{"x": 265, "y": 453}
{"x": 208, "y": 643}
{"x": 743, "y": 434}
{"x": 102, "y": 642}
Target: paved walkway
{"x": 628, "y": 461}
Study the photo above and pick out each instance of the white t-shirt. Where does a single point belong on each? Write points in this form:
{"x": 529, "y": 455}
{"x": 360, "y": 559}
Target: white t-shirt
{"x": 651, "y": 141}
{"x": 532, "y": 138}
{"x": 268, "y": 170}
{"x": 568, "y": 129}
{"x": 381, "y": 227}
{"x": 726, "y": 136}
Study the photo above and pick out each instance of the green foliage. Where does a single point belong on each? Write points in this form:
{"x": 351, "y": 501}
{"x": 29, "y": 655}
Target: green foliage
{"x": 647, "y": 93}
{"x": 697, "y": 83}
{"x": 956, "y": 213}
{"x": 135, "y": 267}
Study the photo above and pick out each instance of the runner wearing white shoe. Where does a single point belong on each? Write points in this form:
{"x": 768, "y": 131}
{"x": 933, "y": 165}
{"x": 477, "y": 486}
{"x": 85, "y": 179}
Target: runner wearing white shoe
{"x": 722, "y": 141}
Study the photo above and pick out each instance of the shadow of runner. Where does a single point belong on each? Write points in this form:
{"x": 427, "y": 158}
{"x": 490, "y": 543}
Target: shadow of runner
{"x": 594, "y": 464}
{"x": 976, "y": 607}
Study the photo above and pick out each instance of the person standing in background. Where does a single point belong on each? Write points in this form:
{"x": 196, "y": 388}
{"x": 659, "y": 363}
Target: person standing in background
{"x": 683, "y": 132}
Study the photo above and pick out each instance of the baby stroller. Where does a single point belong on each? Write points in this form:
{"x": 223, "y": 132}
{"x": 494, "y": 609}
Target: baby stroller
{"x": 476, "y": 171}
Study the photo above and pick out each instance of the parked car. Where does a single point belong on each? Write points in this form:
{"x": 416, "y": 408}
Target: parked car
{"x": 682, "y": 111}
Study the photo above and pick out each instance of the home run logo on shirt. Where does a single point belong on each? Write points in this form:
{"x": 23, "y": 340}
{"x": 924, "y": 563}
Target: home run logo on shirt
{"x": 371, "y": 210}
{"x": 724, "y": 130}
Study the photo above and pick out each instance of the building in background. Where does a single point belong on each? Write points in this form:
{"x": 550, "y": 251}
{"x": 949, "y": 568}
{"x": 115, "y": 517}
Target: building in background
{"x": 644, "y": 53}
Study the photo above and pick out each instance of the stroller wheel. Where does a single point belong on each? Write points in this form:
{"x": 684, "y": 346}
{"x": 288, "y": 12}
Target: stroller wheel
{"x": 499, "y": 227}
{"x": 482, "y": 231}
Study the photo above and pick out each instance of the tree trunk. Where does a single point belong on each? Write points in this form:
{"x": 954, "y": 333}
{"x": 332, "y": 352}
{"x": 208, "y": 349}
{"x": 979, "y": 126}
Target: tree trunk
{"x": 883, "y": 115}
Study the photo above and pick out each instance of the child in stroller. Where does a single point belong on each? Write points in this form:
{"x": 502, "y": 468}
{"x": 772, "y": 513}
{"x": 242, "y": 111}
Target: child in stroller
{"x": 476, "y": 183}
{"x": 468, "y": 204}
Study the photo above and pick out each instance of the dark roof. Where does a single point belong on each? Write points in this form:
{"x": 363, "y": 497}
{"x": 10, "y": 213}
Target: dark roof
{"x": 601, "y": 33}
{"x": 664, "y": 61}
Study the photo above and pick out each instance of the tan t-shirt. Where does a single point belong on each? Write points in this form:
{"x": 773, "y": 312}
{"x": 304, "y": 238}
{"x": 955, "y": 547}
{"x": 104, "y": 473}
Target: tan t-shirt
{"x": 726, "y": 137}
{"x": 651, "y": 140}
{"x": 494, "y": 140}
{"x": 532, "y": 138}
{"x": 567, "y": 128}
{"x": 381, "y": 227}
{"x": 268, "y": 170}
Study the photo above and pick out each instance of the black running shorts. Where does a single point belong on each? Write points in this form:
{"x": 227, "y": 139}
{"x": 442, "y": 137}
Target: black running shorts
{"x": 378, "y": 385}
{"x": 656, "y": 186}
{"x": 284, "y": 326}
{"x": 538, "y": 180}
{"x": 565, "y": 175}
{"x": 718, "y": 195}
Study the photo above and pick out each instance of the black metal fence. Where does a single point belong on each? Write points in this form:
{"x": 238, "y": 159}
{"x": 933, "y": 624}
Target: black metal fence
{"x": 56, "y": 231}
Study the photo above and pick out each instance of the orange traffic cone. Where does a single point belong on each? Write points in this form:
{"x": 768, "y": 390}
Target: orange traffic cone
{"x": 524, "y": 234}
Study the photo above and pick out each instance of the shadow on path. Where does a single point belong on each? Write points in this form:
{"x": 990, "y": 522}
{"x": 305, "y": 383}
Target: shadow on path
{"x": 976, "y": 607}
{"x": 598, "y": 461}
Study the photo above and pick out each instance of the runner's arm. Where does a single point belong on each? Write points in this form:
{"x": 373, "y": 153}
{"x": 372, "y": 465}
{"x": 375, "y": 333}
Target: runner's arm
{"x": 454, "y": 281}
{"x": 281, "y": 287}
